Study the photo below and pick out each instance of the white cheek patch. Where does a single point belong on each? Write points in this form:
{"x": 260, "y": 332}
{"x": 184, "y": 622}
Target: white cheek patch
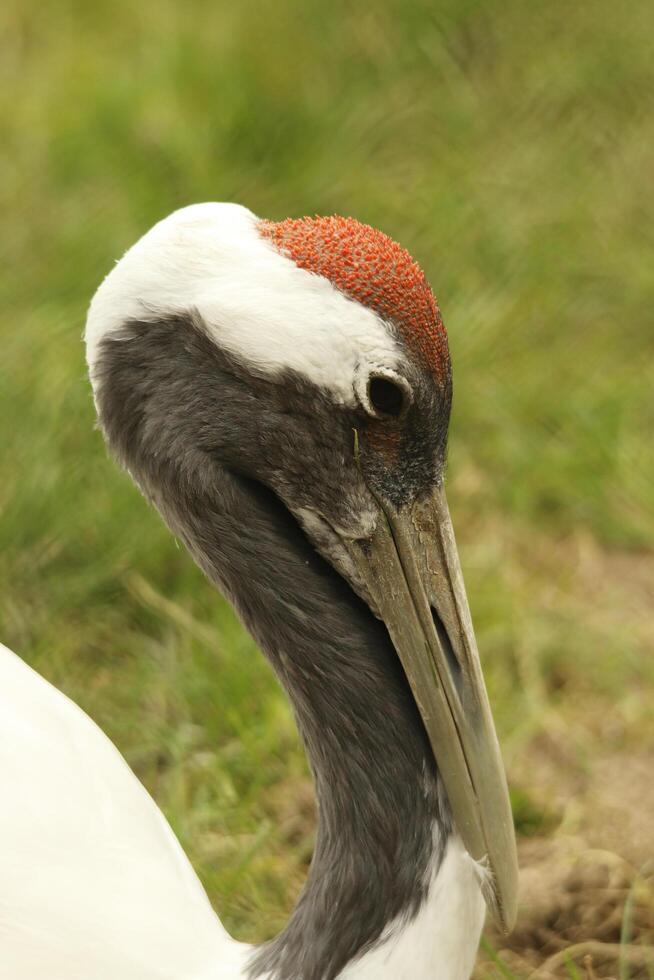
{"x": 256, "y": 303}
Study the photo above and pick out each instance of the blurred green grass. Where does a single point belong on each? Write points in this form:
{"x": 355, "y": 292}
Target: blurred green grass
{"x": 509, "y": 146}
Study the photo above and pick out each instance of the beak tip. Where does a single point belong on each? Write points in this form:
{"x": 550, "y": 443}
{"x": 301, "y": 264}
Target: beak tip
{"x": 502, "y": 896}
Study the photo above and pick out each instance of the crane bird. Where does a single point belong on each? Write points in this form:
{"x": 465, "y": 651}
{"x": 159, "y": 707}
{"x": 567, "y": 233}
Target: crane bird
{"x": 280, "y": 391}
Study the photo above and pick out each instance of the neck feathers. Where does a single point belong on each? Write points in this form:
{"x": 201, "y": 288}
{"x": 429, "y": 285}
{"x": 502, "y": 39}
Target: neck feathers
{"x": 378, "y": 793}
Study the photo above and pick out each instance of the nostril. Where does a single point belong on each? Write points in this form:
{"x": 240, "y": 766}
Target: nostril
{"x": 446, "y": 645}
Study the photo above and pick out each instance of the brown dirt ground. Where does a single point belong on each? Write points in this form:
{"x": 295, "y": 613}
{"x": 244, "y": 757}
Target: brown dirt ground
{"x": 580, "y": 891}
{"x": 587, "y": 888}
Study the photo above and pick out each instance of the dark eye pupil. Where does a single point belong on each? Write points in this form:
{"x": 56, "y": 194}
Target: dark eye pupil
{"x": 386, "y": 397}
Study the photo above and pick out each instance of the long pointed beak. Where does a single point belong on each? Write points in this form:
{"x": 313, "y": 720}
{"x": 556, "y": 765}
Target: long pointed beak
{"x": 411, "y": 569}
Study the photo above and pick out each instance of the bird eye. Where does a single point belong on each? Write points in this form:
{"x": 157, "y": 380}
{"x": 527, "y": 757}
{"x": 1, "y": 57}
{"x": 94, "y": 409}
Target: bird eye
{"x": 386, "y": 397}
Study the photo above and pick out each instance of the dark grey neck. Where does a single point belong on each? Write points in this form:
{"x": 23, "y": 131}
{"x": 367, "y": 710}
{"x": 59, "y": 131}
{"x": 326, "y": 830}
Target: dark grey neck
{"x": 377, "y": 788}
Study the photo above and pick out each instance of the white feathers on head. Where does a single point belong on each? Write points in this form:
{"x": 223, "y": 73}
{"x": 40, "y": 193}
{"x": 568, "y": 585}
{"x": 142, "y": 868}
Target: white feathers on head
{"x": 255, "y": 302}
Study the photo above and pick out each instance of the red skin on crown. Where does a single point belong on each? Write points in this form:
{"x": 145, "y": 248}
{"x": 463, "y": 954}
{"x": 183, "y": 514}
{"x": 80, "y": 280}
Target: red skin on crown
{"x": 371, "y": 268}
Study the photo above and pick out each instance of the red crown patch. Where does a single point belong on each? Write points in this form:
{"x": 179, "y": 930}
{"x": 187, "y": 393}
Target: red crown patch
{"x": 371, "y": 268}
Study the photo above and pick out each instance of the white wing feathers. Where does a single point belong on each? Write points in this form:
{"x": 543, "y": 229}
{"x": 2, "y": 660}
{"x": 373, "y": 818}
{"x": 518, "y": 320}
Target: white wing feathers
{"x": 93, "y": 883}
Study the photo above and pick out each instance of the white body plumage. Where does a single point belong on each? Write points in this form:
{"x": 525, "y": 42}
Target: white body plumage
{"x": 95, "y": 886}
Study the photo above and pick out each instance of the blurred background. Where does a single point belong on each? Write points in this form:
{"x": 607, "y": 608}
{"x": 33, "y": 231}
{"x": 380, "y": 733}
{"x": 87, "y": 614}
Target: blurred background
{"x": 510, "y": 148}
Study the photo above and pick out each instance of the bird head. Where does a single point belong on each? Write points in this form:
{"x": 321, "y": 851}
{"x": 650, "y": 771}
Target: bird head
{"x": 310, "y": 356}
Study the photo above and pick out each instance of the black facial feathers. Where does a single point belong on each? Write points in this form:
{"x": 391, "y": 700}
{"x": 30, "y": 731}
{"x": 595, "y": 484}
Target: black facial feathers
{"x": 220, "y": 453}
